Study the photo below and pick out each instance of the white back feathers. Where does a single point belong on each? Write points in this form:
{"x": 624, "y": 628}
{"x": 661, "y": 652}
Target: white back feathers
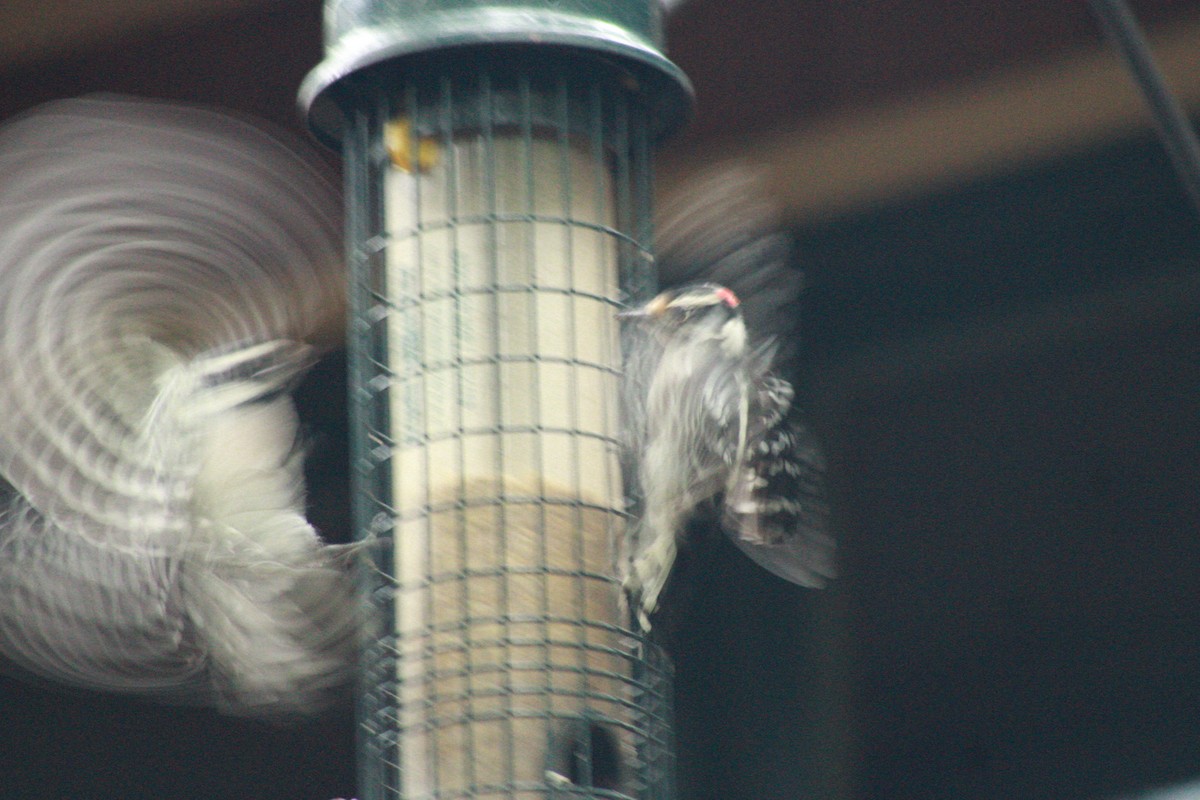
{"x": 165, "y": 274}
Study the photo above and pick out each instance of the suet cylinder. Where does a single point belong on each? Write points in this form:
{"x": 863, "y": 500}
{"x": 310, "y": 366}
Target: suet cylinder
{"x": 498, "y": 178}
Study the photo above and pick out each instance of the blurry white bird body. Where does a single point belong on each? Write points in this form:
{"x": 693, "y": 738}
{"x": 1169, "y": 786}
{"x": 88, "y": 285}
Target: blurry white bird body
{"x": 162, "y": 269}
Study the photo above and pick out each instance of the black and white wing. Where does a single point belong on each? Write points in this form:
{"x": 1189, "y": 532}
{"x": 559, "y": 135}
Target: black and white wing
{"x": 165, "y": 275}
{"x": 775, "y": 508}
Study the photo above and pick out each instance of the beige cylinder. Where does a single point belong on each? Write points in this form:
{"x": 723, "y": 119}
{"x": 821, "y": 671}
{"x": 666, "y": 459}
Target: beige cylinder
{"x": 502, "y": 265}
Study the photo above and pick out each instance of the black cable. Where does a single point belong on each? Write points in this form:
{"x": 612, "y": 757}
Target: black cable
{"x": 1174, "y": 128}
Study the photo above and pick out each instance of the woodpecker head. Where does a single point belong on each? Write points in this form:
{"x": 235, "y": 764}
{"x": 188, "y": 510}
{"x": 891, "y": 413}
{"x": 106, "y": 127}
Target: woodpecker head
{"x": 695, "y": 313}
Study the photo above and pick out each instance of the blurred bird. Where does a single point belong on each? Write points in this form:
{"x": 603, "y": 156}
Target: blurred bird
{"x": 714, "y": 425}
{"x": 167, "y": 275}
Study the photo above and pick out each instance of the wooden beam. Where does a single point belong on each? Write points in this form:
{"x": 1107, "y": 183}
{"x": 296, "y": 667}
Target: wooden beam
{"x": 912, "y": 145}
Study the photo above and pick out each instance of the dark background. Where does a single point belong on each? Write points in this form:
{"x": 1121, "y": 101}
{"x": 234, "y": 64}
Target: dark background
{"x": 1003, "y": 360}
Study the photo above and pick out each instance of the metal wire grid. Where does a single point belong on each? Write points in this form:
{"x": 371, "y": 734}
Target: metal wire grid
{"x": 502, "y": 665}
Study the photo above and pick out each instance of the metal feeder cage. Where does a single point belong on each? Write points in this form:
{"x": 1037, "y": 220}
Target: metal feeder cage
{"x": 498, "y": 180}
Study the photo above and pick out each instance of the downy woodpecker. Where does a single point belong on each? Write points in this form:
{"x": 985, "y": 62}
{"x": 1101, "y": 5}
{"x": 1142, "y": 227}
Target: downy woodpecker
{"x": 714, "y": 424}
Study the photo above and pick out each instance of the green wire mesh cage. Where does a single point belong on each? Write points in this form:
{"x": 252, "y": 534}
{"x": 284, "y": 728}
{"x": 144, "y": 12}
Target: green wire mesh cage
{"x": 498, "y": 210}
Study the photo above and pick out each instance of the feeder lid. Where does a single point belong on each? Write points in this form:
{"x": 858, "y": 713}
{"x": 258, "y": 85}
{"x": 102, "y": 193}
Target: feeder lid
{"x": 361, "y": 35}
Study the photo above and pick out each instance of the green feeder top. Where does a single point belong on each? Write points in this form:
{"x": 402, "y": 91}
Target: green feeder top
{"x": 361, "y": 35}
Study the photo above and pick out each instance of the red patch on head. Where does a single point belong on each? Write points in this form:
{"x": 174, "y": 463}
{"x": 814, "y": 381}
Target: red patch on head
{"x": 728, "y": 298}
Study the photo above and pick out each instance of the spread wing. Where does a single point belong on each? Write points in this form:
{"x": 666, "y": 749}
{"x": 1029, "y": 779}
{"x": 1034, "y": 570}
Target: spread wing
{"x": 149, "y": 252}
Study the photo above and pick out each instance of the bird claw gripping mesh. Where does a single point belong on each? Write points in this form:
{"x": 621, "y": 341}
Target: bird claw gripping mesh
{"x": 166, "y": 274}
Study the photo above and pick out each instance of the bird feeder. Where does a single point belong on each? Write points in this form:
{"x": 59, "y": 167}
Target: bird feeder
{"x": 498, "y": 174}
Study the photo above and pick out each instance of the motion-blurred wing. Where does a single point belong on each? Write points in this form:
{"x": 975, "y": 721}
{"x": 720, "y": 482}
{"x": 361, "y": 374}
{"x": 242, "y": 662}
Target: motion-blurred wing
{"x": 159, "y": 267}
